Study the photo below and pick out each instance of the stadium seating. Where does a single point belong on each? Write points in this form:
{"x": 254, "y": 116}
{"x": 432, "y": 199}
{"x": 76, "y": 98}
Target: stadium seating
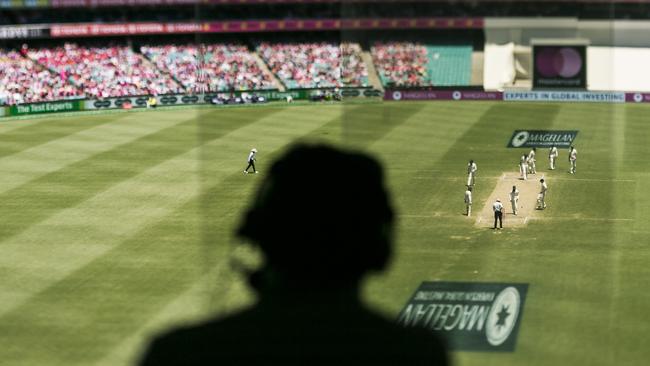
{"x": 214, "y": 67}
{"x": 354, "y": 71}
{"x": 68, "y": 71}
{"x": 23, "y": 81}
{"x": 106, "y": 71}
{"x": 450, "y": 65}
{"x": 410, "y": 64}
{"x": 312, "y": 65}
{"x": 401, "y": 63}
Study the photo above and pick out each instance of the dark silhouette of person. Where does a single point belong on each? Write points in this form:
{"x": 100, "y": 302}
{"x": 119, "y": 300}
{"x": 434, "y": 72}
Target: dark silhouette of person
{"x": 321, "y": 230}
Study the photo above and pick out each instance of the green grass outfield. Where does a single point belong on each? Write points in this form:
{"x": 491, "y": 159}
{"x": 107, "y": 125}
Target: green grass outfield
{"x": 115, "y": 226}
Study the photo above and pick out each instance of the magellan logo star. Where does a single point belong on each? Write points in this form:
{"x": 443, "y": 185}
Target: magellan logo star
{"x": 520, "y": 138}
{"x": 503, "y": 316}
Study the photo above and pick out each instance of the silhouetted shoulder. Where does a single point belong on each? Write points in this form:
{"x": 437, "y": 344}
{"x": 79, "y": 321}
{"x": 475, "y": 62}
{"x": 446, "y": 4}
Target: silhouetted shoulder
{"x": 296, "y": 336}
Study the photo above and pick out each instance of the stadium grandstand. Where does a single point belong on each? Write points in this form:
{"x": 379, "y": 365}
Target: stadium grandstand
{"x": 99, "y": 49}
{"x": 102, "y": 49}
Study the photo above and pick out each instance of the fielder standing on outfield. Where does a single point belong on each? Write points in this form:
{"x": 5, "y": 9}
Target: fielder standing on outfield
{"x": 541, "y": 198}
{"x": 573, "y": 156}
{"x": 523, "y": 167}
{"x": 532, "y": 169}
{"x": 498, "y": 213}
{"x": 514, "y": 199}
{"x": 468, "y": 200}
{"x": 471, "y": 173}
{"x": 251, "y": 161}
{"x": 552, "y": 156}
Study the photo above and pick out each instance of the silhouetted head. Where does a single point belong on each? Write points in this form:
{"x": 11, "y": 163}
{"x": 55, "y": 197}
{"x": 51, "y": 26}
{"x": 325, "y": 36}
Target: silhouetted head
{"x": 514, "y": 188}
{"x": 322, "y": 213}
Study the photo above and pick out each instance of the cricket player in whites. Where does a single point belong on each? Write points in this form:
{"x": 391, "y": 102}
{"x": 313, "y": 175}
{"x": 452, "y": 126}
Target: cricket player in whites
{"x": 514, "y": 199}
{"x": 552, "y": 156}
{"x": 523, "y": 167}
{"x": 251, "y": 161}
{"x": 471, "y": 173}
{"x": 541, "y": 197}
{"x": 468, "y": 200}
{"x": 531, "y": 161}
{"x": 573, "y": 156}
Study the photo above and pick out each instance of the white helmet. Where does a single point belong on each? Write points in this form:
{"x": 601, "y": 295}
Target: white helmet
{"x": 254, "y": 150}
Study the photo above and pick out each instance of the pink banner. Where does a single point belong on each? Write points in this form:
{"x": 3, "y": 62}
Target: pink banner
{"x": 441, "y": 95}
{"x": 93, "y": 30}
{"x": 117, "y": 29}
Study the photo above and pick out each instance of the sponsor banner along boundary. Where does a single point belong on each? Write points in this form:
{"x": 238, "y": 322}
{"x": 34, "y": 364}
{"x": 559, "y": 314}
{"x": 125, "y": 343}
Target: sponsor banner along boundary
{"x": 472, "y": 316}
{"x": 49, "y": 107}
{"x": 304, "y": 94}
{"x": 519, "y": 96}
{"x": 441, "y": 95}
{"x": 167, "y": 100}
{"x": 188, "y": 99}
{"x": 565, "y": 96}
{"x": 637, "y": 97}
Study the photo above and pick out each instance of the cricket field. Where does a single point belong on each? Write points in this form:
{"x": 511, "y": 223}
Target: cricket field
{"x": 116, "y": 226}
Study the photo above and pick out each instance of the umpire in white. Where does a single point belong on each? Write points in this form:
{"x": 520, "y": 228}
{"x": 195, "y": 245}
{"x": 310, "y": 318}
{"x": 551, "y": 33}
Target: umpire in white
{"x": 498, "y": 213}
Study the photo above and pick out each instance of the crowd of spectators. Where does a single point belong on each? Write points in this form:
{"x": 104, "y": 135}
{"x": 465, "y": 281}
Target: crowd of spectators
{"x": 401, "y": 64}
{"x": 24, "y": 81}
{"x": 105, "y": 72}
{"x": 73, "y": 71}
{"x": 210, "y": 68}
{"x": 314, "y": 65}
{"x": 354, "y": 71}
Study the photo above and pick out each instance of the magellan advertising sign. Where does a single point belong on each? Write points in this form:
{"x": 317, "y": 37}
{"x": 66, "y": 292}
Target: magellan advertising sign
{"x": 472, "y": 316}
{"x": 543, "y": 138}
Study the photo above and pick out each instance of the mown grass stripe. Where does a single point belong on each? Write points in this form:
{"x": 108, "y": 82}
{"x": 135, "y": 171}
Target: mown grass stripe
{"x": 54, "y": 155}
{"x": 361, "y": 127}
{"x": 19, "y": 136}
